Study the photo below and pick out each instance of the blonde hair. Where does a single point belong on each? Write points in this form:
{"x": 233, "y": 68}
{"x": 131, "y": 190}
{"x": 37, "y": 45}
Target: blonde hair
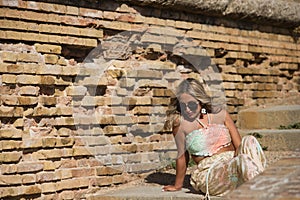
{"x": 196, "y": 89}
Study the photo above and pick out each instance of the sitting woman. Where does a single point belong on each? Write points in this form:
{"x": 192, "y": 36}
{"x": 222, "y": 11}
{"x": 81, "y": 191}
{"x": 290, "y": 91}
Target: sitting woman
{"x": 224, "y": 159}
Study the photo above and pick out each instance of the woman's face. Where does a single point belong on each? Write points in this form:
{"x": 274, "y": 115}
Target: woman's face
{"x": 189, "y": 106}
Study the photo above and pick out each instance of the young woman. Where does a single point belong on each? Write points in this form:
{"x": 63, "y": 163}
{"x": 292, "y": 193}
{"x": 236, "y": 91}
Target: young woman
{"x": 208, "y": 134}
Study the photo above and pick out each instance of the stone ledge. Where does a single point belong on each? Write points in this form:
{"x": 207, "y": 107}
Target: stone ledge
{"x": 277, "y": 140}
{"x": 269, "y": 118}
{"x": 279, "y": 12}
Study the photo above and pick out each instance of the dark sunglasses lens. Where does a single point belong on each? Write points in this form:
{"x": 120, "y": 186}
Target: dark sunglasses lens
{"x": 182, "y": 106}
{"x": 192, "y": 105}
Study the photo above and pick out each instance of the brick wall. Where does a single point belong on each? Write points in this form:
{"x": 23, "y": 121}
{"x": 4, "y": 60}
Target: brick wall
{"x": 76, "y": 117}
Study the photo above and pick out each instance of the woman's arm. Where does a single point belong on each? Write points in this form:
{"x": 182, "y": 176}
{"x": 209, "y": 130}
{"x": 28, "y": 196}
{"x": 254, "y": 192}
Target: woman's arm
{"x": 181, "y": 161}
{"x": 235, "y": 135}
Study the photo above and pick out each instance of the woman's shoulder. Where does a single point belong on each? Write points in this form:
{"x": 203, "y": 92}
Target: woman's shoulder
{"x": 218, "y": 117}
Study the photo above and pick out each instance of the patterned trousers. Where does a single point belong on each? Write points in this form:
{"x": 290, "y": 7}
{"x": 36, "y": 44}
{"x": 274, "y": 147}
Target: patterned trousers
{"x": 219, "y": 174}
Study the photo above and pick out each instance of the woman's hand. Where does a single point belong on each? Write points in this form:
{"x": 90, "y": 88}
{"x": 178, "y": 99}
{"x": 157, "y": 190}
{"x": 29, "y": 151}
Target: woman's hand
{"x": 170, "y": 188}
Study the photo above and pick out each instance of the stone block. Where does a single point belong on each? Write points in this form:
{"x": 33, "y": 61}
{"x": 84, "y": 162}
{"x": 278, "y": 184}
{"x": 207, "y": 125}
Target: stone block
{"x": 47, "y": 100}
{"x": 232, "y": 78}
{"x": 47, "y": 80}
{"x": 72, "y": 183}
{"x": 49, "y": 166}
{"x": 151, "y": 38}
{"x": 102, "y": 181}
{"x": 116, "y": 139}
{"x": 26, "y": 167}
{"x": 118, "y": 179}
{"x": 42, "y": 177}
{"x": 49, "y": 142}
{"x": 9, "y": 100}
{"x": 7, "y": 157}
{"x": 48, "y": 187}
{"x": 50, "y": 58}
{"x": 29, "y": 90}
{"x": 48, "y": 48}
{"x": 271, "y": 117}
{"x": 10, "y": 192}
{"x": 67, "y": 195}
{"x": 9, "y": 78}
{"x": 81, "y": 151}
{"x": 6, "y": 180}
{"x": 9, "y": 56}
{"x": 76, "y": 90}
{"x": 107, "y": 170}
{"x": 6, "y": 111}
{"x": 15, "y": 69}
{"x": 64, "y": 173}
{"x": 71, "y": 10}
{"x": 28, "y": 178}
{"x": 34, "y": 189}
{"x": 65, "y": 142}
{"x": 28, "y": 57}
{"x": 83, "y": 172}
{"x": 27, "y": 100}
{"x": 10, "y": 133}
{"x": 10, "y": 145}
{"x": 115, "y": 130}
{"x": 28, "y": 79}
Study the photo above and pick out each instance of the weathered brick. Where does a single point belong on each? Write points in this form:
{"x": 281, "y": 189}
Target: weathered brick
{"x": 9, "y": 56}
{"x": 233, "y": 78}
{"x": 102, "y": 181}
{"x": 65, "y": 142}
{"x": 34, "y": 189}
{"x": 106, "y": 170}
{"x": 46, "y": 177}
{"x": 9, "y": 78}
{"x": 67, "y": 195}
{"x": 76, "y": 90}
{"x": 6, "y": 111}
{"x": 27, "y": 100}
{"x": 10, "y": 133}
{"x": 10, "y": 191}
{"x": 28, "y": 79}
{"x": 48, "y": 187}
{"x": 28, "y": 178}
{"x": 9, "y": 99}
{"x": 50, "y": 58}
{"x": 28, "y": 57}
{"x": 8, "y": 157}
{"x": 113, "y": 130}
{"x": 64, "y": 173}
{"x": 71, "y": 10}
{"x": 29, "y": 90}
{"x": 81, "y": 151}
{"x": 47, "y": 48}
{"x": 72, "y": 183}
{"x": 10, "y": 144}
{"x": 90, "y": 13}
{"x": 32, "y": 143}
{"x": 83, "y": 172}
{"x": 8, "y": 168}
{"x": 26, "y": 167}
{"x": 6, "y": 180}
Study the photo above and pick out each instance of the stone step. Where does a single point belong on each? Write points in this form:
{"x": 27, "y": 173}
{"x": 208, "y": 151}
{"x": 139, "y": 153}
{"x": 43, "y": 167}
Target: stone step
{"x": 276, "y": 140}
{"x": 271, "y": 117}
{"x": 278, "y": 182}
{"x": 149, "y": 192}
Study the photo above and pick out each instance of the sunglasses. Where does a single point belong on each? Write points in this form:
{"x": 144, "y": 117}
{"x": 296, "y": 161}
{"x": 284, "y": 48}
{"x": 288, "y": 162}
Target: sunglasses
{"x": 192, "y": 105}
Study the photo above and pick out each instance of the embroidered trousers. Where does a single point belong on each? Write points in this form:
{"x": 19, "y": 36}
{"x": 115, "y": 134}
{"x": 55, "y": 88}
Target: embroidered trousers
{"x": 219, "y": 174}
